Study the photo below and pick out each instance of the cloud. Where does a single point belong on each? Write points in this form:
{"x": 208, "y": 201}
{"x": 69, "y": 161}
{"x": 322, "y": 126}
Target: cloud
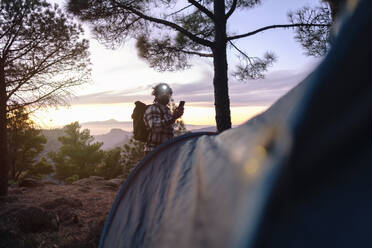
{"x": 261, "y": 92}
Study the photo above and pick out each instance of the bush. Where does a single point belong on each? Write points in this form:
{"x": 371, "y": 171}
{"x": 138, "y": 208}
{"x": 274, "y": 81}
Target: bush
{"x": 112, "y": 165}
{"x": 71, "y": 179}
{"x": 40, "y": 169}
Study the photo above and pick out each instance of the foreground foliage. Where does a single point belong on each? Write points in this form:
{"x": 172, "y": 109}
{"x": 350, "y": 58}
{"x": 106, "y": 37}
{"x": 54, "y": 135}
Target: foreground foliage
{"x": 25, "y": 144}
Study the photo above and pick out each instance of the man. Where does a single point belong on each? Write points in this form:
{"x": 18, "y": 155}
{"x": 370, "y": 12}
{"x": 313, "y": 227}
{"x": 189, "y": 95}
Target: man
{"x": 158, "y": 117}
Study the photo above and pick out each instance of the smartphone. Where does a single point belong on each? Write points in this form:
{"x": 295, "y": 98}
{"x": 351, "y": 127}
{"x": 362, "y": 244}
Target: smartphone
{"x": 182, "y": 103}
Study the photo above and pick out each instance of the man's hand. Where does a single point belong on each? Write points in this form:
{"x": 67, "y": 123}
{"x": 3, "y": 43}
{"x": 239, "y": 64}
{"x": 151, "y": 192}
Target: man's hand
{"x": 178, "y": 112}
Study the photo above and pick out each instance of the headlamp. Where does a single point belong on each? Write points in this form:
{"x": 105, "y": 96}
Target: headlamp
{"x": 162, "y": 89}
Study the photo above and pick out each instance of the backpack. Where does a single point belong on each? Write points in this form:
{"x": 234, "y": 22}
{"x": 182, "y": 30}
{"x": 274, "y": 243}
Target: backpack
{"x": 140, "y": 131}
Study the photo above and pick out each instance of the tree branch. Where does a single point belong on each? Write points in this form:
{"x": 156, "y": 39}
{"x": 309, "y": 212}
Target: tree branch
{"x": 202, "y": 9}
{"x": 196, "y": 53}
{"x": 180, "y": 10}
{"x": 34, "y": 45}
{"x": 8, "y": 30}
{"x": 276, "y": 26}
{"x": 10, "y": 42}
{"x": 40, "y": 68}
{"x": 243, "y": 53}
{"x": 43, "y": 97}
{"x": 232, "y": 9}
{"x": 168, "y": 24}
{"x": 13, "y": 25}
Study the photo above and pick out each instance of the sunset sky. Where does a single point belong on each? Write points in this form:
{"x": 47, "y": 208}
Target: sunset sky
{"x": 119, "y": 77}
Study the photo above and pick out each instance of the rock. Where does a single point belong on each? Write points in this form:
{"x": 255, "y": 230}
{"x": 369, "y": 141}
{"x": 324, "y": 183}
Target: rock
{"x": 106, "y": 187}
{"x": 63, "y": 201}
{"x": 83, "y": 182}
{"x": 67, "y": 215}
{"x": 29, "y": 182}
{"x": 50, "y": 183}
{"x": 96, "y": 178}
{"x": 92, "y": 180}
{"x": 114, "y": 183}
{"x": 122, "y": 177}
{"x": 84, "y": 189}
{"x": 35, "y": 219}
{"x": 88, "y": 181}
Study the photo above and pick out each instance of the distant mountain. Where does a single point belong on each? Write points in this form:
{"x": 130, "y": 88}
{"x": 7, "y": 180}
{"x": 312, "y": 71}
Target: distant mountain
{"x": 52, "y": 140}
{"x": 116, "y": 137}
{"x": 106, "y": 122}
{"x": 104, "y": 127}
{"x": 205, "y": 129}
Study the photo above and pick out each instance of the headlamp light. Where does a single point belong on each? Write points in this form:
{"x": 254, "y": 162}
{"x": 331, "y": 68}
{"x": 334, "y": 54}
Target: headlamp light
{"x": 162, "y": 89}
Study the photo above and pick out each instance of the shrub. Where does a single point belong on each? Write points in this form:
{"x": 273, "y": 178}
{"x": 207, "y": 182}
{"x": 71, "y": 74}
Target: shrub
{"x": 71, "y": 179}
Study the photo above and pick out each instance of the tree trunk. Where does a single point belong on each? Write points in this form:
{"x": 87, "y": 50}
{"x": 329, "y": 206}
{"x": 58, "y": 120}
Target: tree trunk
{"x": 220, "y": 80}
{"x": 12, "y": 154}
{"x": 3, "y": 135}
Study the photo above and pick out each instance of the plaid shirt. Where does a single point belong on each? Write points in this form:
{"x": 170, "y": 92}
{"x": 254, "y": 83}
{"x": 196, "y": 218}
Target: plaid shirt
{"x": 160, "y": 123}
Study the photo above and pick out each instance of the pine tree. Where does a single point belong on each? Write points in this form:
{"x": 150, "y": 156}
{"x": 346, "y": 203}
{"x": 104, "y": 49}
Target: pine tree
{"x": 41, "y": 168}
{"x": 42, "y": 55}
{"x": 335, "y": 7}
{"x": 78, "y": 155}
{"x": 25, "y": 143}
{"x": 314, "y": 39}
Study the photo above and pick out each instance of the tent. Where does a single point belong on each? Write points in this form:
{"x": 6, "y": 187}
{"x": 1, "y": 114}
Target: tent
{"x": 298, "y": 175}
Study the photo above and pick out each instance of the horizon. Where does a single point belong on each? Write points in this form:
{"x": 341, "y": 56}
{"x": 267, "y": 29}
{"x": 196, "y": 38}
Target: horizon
{"x": 106, "y": 126}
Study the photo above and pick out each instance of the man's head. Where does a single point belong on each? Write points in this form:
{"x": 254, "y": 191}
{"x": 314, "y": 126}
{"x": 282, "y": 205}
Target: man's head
{"x": 162, "y": 93}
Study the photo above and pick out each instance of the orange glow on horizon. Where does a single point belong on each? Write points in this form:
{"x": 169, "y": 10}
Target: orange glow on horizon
{"x": 54, "y": 118}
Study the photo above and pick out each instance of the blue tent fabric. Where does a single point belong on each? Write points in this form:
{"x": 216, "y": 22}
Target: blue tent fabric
{"x": 143, "y": 165}
{"x": 298, "y": 175}
{"x": 322, "y": 197}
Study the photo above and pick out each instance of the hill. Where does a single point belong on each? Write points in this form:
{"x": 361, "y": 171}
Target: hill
{"x": 103, "y": 127}
{"x": 116, "y": 137}
{"x": 52, "y": 140}
{"x": 205, "y": 129}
